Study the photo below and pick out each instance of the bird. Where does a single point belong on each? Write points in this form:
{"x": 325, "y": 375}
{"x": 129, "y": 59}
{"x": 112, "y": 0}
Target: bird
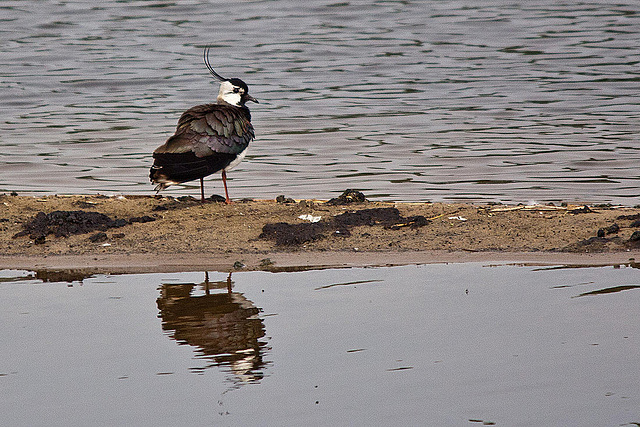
{"x": 208, "y": 138}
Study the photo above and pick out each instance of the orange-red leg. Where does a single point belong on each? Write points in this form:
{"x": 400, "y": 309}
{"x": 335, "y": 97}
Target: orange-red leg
{"x": 224, "y": 181}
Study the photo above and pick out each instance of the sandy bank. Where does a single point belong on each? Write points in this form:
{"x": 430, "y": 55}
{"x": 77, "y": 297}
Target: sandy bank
{"x": 167, "y": 234}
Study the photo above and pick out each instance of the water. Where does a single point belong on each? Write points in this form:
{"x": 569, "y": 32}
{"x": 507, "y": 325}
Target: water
{"x": 424, "y": 100}
{"x": 442, "y": 345}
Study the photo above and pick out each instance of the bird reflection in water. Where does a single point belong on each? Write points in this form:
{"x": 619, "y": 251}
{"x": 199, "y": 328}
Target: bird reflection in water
{"x": 223, "y": 325}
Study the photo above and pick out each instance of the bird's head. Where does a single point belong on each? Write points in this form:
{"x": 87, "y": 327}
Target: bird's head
{"x": 232, "y": 91}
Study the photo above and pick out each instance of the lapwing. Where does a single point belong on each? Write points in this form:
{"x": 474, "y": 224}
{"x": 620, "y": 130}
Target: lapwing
{"x": 209, "y": 138}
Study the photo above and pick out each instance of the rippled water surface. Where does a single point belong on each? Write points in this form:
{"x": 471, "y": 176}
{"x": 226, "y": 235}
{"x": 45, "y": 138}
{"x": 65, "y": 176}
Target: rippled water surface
{"x": 435, "y": 345}
{"x": 405, "y": 100}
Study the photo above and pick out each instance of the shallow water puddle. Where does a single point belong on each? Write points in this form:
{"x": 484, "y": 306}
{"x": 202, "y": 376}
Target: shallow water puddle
{"x": 460, "y": 344}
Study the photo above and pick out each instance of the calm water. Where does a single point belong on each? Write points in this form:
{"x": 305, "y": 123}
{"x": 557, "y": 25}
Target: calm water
{"x": 406, "y": 100}
{"x": 436, "y": 345}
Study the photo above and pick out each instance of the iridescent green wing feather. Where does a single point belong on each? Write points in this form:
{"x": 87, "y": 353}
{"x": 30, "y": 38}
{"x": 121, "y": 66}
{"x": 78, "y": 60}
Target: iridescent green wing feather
{"x": 211, "y": 128}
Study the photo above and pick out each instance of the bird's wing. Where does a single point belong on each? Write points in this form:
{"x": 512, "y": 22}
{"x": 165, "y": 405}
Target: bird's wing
{"x": 211, "y": 128}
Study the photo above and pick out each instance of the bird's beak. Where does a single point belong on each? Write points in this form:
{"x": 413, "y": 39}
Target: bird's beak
{"x": 251, "y": 98}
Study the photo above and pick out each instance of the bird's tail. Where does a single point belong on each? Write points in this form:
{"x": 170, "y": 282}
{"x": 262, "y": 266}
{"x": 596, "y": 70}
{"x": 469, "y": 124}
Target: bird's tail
{"x": 175, "y": 168}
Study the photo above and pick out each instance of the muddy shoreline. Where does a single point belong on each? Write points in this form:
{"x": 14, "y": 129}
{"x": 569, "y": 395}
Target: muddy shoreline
{"x": 157, "y": 234}
{"x": 86, "y": 265}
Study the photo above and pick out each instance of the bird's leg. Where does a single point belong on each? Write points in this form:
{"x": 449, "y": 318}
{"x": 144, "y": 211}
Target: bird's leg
{"x": 202, "y": 190}
{"x": 224, "y": 181}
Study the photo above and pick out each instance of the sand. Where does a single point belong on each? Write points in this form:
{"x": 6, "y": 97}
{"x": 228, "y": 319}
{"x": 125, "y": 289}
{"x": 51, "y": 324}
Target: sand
{"x": 155, "y": 233}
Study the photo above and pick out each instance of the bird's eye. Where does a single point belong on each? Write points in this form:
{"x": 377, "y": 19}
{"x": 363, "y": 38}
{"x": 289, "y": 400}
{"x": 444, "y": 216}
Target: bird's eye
{"x": 236, "y": 89}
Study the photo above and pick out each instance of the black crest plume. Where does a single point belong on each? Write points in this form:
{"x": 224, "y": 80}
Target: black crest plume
{"x": 209, "y": 67}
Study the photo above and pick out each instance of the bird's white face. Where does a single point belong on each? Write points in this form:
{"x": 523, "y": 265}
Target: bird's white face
{"x": 230, "y": 94}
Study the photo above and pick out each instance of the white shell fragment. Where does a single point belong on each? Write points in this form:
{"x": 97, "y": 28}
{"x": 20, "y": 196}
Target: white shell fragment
{"x": 310, "y": 218}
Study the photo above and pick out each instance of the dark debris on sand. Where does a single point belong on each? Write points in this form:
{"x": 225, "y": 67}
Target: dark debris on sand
{"x": 66, "y": 223}
{"x": 602, "y": 239}
{"x": 286, "y": 234}
{"x": 283, "y": 199}
{"x": 348, "y": 197}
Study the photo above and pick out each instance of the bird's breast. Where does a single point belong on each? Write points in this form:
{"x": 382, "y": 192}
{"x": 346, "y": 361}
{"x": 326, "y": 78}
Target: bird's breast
{"x": 237, "y": 160}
